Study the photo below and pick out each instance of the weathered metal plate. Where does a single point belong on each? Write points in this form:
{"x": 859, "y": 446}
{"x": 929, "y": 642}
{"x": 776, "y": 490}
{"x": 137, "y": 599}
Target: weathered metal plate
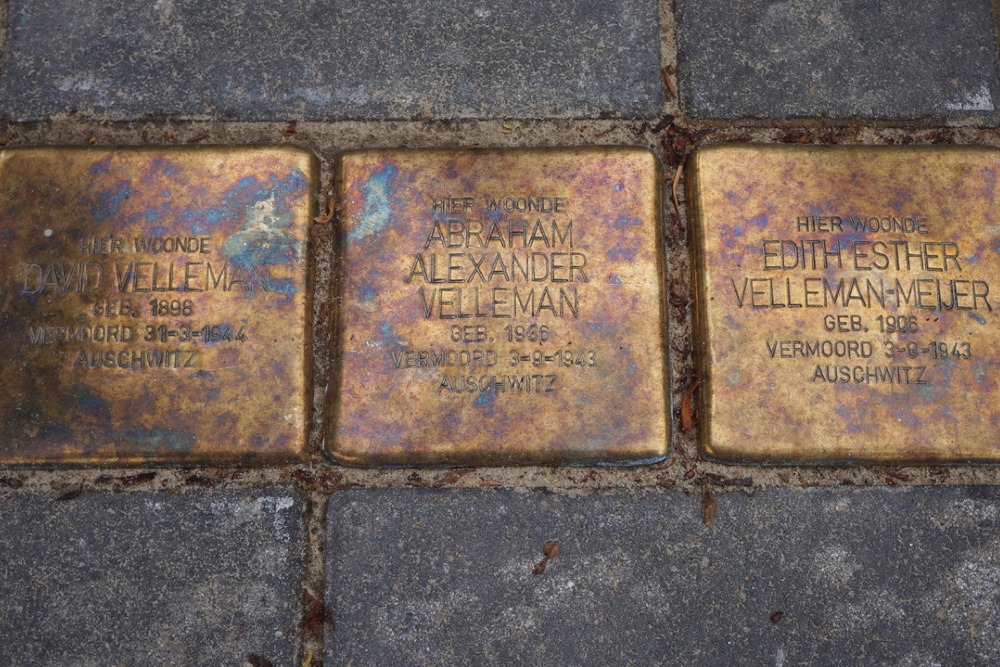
{"x": 500, "y": 307}
{"x": 847, "y": 302}
{"x": 154, "y": 304}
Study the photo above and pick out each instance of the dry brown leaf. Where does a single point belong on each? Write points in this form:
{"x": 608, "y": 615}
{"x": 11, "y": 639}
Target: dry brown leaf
{"x": 687, "y": 407}
{"x": 709, "y": 506}
{"x": 551, "y": 549}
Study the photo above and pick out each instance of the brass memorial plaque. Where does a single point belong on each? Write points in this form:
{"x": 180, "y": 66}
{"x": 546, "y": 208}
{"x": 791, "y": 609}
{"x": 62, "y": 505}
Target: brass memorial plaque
{"x": 847, "y": 302}
{"x": 500, "y": 307}
{"x": 154, "y": 304}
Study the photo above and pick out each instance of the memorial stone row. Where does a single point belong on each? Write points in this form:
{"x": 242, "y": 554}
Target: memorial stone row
{"x": 497, "y": 307}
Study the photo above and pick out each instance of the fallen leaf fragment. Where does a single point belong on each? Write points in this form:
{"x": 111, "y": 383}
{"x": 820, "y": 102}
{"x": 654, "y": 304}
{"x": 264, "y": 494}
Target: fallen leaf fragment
{"x": 709, "y": 506}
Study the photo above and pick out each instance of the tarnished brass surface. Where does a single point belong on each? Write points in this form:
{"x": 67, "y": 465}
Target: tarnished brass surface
{"x": 480, "y": 328}
{"x": 847, "y": 302}
{"x": 154, "y": 304}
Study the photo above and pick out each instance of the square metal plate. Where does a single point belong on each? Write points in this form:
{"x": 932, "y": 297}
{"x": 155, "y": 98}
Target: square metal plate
{"x": 847, "y": 302}
{"x": 500, "y": 307}
{"x": 154, "y": 304}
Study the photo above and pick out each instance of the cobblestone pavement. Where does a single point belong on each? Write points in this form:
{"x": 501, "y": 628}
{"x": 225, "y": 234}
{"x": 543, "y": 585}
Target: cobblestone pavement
{"x": 682, "y": 562}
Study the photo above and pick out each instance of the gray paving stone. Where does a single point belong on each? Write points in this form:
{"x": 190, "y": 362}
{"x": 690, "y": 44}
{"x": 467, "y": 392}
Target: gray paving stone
{"x": 151, "y": 579}
{"x": 909, "y": 578}
{"x": 892, "y": 59}
{"x": 321, "y": 59}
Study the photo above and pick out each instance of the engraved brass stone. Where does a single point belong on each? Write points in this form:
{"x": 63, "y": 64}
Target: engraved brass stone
{"x": 500, "y": 307}
{"x": 847, "y": 302}
{"x": 153, "y": 304}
